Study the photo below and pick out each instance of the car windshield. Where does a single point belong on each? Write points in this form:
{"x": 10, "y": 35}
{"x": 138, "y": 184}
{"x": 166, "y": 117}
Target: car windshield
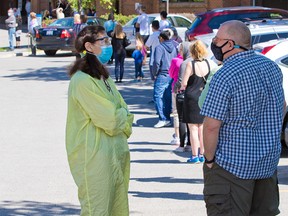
{"x": 66, "y": 22}
{"x": 195, "y": 22}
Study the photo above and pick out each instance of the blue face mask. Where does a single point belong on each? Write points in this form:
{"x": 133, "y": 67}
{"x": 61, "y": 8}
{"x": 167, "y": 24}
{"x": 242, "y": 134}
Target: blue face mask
{"x": 105, "y": 54}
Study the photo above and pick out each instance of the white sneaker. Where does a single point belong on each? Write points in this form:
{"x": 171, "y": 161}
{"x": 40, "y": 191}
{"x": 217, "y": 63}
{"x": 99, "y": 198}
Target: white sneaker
{"x": 175, "y": 141}
{"x": 167, "y": 123}
{"x": 162, "y": 124}
{"x": 188, "y": 148}
{"x": 179, "y": 149}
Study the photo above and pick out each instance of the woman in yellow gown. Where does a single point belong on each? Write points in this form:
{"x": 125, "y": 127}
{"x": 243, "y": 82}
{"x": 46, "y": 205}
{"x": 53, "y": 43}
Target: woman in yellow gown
{"x": 98, "y": 126}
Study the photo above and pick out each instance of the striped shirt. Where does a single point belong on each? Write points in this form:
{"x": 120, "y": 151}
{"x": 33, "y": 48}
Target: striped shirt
{"x": 246, "y": 94}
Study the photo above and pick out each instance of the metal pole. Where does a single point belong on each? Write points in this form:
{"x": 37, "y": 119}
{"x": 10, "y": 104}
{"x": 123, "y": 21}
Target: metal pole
{"x": 167, "y": 5}
{"x": 253, "y": 3}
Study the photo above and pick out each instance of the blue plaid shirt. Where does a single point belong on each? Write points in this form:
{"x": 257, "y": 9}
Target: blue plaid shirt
{"x": 246, "y": 94}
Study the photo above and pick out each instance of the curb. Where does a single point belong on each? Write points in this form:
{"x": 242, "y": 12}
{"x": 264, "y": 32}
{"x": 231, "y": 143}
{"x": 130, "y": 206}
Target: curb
{"x": 19, "y": 54}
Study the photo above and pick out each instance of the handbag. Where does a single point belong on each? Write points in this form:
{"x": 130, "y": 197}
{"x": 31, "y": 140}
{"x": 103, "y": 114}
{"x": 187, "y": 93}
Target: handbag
{"x": 180, "y": 96}
{"x": 127, "y": 42}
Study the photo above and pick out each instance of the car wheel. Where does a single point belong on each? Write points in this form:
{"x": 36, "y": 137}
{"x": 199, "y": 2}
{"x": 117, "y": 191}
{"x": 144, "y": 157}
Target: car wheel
{"x": 50, "y": 52}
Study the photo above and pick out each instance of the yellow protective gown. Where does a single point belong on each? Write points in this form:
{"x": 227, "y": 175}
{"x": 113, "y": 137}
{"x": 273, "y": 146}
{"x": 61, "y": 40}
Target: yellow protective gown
{"x": 98, "y": 125}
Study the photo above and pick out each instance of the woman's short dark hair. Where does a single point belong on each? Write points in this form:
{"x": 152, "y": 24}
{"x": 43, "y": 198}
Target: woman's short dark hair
{"x": 89, "y": 63}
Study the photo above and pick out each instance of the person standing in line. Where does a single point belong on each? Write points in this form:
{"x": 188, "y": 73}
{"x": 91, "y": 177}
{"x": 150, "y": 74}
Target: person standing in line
{"x": 18, "y": 30}
{"x": 118, "y": 43}
{"x": 28, "y": 7}
{"x": 109, "y": 26}
{"x": 183, "y": 127}
{"x": 76, "y": 24}
{"x": 59, "y": 13}
{"x": 151, "y": 43}
{"x": 11, "y": 25}
{"x": 143, "y": 23}
{"x": 138, "y": 59}
{"x": 173, "y": 73}
{"x": 97, "y": 128}
{"x": 140, "y": 43}
{"x": 164, "y": 53}
{"x": 164, "y": 22}
{"x": 243, "y": 111}
{"x": 194, "y": 80}
{"x": 31, "y": 31}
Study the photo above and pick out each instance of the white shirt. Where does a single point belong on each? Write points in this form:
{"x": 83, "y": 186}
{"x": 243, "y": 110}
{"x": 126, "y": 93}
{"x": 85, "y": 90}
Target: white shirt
{"x": 143, "y": 20}
{"x": 164, "y": 24}
{"x": 152, "y": 42}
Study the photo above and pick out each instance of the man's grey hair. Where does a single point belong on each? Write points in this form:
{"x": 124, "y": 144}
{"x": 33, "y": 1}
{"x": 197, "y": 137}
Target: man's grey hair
{"x": 239, "y": 32}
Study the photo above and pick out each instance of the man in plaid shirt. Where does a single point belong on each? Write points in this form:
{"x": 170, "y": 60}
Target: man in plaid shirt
{"x": 243, "y": 118}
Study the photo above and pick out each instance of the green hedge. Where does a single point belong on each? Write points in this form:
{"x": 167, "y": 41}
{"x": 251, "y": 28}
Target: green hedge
{"x": 122, "y": 19}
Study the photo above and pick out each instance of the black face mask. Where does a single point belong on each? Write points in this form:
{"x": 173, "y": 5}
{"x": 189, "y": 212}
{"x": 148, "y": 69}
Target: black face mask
{"x": 217, "y": 51}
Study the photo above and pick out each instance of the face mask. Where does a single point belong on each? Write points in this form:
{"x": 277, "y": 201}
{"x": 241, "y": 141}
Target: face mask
{"x": 217, "y": 51}
{"x": 9, "y": 14}
{"x": 105, "y": 55}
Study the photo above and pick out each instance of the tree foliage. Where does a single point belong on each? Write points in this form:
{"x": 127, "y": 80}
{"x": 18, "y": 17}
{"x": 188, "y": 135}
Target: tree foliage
{"x": 79, "y": 5}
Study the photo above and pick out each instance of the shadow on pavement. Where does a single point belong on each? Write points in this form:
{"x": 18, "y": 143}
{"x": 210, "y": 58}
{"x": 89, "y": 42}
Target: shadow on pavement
{"x": 169, "y": 180}
{"x": 153, "y": 161}
{"x": 149, "y": 143}
{"x": 146, "y": 150}
{"x": 43, "y": 74}
{"x": 147, "y": 122}
{"x": 167, "y": 195}
{"x": 32, "y": 208}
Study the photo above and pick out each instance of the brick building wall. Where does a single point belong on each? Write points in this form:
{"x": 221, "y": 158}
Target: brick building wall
{"x": 214, "y": 4}
{"x": 233, "y": 3}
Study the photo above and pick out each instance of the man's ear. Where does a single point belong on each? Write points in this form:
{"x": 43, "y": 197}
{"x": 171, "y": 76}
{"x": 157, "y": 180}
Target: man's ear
{"x": 231, "y": 43}
{"x": 88, "y": 47}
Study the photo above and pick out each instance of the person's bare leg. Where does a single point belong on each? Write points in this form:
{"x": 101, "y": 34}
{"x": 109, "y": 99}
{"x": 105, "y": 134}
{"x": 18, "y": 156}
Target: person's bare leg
{"x": 194, "y": 139}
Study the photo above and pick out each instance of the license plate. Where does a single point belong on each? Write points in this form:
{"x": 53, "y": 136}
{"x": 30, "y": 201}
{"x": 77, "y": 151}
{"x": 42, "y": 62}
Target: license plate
{"x": 49, "y": 32}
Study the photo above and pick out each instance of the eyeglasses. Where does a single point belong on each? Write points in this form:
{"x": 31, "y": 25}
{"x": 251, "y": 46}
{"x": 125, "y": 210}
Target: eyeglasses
{"x": 215, "y": 39}
{"x": 104, "y": 41}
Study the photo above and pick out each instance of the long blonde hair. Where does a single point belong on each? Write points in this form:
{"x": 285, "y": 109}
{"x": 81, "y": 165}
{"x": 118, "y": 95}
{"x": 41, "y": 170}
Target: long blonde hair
{"x": 118, "y": 31}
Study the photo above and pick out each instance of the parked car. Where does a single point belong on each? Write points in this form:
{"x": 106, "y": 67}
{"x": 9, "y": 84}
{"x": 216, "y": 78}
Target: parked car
{"x": 279, "y": 54}
{"x": 260, "y": 34}
{"x": 59, "y": 35}
{"x": 181, "y": 24}
{"x": 204, "y": 23}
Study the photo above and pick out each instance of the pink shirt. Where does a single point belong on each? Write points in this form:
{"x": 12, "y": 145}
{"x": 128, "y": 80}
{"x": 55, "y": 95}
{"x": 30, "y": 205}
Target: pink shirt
{"x": 174, "y": 68}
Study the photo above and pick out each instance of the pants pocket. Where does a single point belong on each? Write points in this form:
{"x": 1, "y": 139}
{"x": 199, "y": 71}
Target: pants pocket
{"x": 217, "y": 199}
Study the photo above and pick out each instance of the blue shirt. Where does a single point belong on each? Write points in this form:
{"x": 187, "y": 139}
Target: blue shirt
{"x": 138, "y": 57}
{"x": 246, "y": 94}
{"x": 109, "y": 25}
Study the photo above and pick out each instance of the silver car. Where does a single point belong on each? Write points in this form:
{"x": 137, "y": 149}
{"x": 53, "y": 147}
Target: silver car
{"x": 181, "y": 24}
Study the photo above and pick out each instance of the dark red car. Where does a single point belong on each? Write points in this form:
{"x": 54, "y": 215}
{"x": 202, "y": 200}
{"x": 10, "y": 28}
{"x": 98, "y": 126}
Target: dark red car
{"x": 205, "y": 22}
